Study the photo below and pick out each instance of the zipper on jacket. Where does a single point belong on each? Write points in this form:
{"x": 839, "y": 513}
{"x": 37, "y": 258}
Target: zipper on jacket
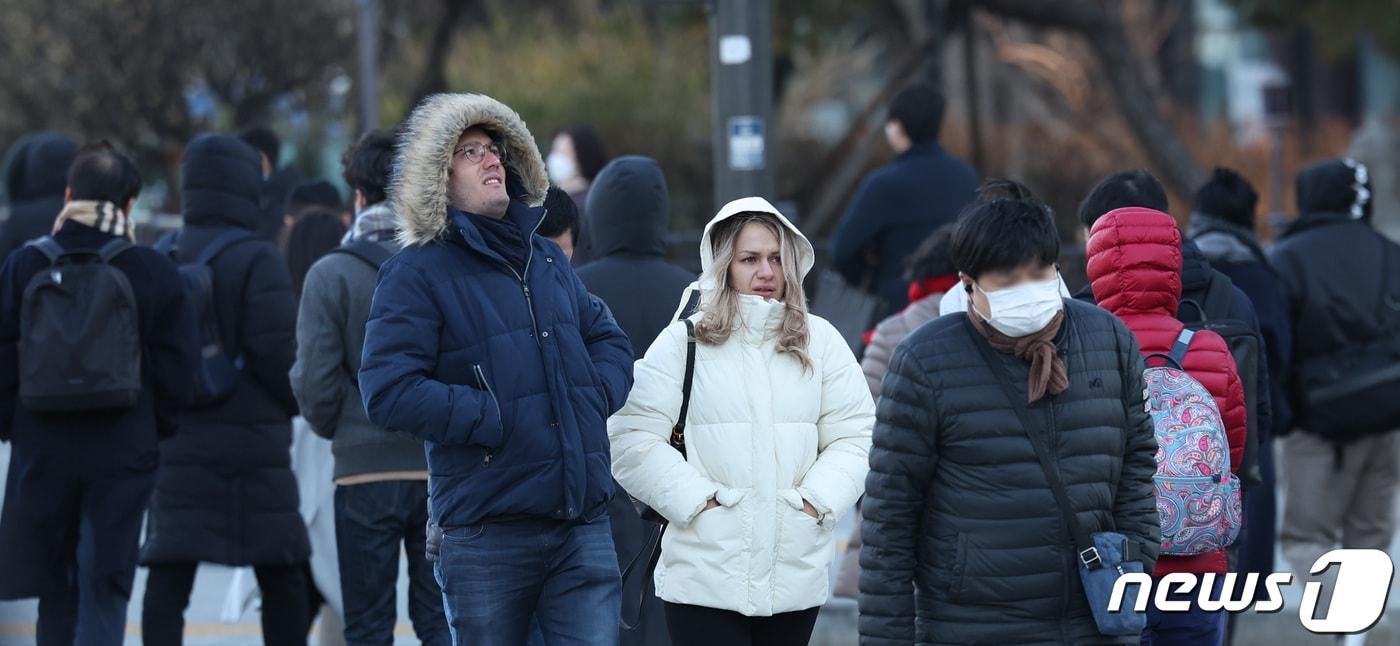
{"x": 1053, "y": 446}
{"x": 486, "y": 385}
{"x": 534, "y": 324}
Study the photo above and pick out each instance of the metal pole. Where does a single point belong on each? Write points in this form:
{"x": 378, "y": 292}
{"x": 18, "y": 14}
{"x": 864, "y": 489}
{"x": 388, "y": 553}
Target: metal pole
{"x": 368, "y": 27}
{"x": 741, "y": 81}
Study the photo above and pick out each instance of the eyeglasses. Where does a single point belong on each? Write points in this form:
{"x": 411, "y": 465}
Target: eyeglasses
{"x": 477, "y": 152}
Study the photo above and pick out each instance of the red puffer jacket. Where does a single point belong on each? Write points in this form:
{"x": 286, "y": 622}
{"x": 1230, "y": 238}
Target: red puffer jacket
{"x": 1135, "y": 270}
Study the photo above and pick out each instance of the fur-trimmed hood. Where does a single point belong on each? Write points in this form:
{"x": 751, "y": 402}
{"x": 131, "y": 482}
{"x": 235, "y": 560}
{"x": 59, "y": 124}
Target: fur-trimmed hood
{"x": 418, "y": 190}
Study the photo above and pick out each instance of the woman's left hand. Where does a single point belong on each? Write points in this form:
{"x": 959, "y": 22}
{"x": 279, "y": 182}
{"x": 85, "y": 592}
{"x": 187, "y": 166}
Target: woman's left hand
{"x": 808, "y": 509}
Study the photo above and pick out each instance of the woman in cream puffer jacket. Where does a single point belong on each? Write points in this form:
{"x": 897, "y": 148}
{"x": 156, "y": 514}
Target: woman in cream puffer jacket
{"x": 778, "y": 436}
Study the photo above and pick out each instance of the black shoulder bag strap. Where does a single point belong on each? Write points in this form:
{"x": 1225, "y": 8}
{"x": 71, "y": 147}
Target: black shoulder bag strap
{"x": 1083, "y": 543}
{"x": 652, "y": 550}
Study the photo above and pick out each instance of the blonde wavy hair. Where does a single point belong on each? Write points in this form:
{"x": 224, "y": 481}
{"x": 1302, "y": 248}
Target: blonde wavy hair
{"x": 719, "y": 307}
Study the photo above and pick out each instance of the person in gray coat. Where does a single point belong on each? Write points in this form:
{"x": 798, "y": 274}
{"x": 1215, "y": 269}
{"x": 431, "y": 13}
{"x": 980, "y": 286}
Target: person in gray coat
{"x": 381, "y": 496}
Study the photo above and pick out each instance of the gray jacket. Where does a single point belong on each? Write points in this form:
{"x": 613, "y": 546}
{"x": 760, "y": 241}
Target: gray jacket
{"x": 330, "y": 335}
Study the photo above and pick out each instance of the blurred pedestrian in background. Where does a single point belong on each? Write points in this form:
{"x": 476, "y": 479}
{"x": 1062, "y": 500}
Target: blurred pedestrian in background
{"x": 32, "y": 179}
{"x": 576, "y": 156}
{"x": 897, "y": 206}
{"x": 80, "y": 478}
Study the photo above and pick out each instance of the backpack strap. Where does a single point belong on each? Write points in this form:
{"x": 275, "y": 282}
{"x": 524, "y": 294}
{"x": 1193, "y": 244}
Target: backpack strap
{"x": 1183, "y": 343}
{"x": 1219, "y": 297}
{"x": 219, "y": 244}
{"x": 166, "y": 243}
{"x": 372, "y": 253}
{"x": 113, "y": 248}
{"x": 47, "y": 246}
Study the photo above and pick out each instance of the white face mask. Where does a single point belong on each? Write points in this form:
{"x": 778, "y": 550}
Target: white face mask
{"x": 1024, "y": 309}
{"x": 561, "y": 168}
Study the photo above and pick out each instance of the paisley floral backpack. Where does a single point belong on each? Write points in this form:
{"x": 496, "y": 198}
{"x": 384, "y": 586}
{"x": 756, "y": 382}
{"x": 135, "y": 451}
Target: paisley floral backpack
{"x": 1198, "y": 498}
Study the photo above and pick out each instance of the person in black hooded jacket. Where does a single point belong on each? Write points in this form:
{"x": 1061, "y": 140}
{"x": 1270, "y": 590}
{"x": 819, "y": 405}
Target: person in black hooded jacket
{"x": 1336, "y": 270}
{"x": 34, "y": 172}
{"x": 630, "y": 211}
{"x": 225, "y": 492}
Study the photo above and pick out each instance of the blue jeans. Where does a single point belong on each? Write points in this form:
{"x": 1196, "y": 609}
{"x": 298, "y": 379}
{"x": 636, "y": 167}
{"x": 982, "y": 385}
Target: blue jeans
{"x": 496, "y": 576}
{"x": 1195, "y": 627}
{"x": 373, "y": 522}
{"x": 98, "y": 525}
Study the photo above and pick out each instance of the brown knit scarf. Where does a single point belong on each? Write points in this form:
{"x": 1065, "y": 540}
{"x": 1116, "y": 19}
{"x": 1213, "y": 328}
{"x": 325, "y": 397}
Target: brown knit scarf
{"x": 1048, "y": 372}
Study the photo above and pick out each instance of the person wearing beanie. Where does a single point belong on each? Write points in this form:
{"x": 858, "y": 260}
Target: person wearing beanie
{"x": 225, "y": 492}
{"x": 1222, "y": 225}
{"x": 1342, "y": 281}
{"x": 560, "y": 222}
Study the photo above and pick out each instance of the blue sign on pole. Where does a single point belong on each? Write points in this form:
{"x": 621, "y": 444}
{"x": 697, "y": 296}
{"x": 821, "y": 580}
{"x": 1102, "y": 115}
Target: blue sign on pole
{"x": 745, "y": 143}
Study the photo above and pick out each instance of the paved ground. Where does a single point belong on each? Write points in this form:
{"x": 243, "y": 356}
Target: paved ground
{"x": 836, "y": 626}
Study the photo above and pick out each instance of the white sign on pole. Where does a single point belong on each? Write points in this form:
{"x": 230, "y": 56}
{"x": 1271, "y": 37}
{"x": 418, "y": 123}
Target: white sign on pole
{"x": 745, "y": 143}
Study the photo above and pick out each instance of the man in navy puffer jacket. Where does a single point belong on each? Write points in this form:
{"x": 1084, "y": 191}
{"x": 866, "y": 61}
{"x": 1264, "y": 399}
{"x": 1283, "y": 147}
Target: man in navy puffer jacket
{"x": 484, "y": 343}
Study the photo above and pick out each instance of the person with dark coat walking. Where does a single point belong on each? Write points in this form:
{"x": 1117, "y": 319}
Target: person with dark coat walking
{"x": 1341, "y": 277}
{"x": 964, "y": 542}
{"x": 225, "y": 491}
{"x": 482, "y": 342}
{"x": 630, "y": 208}
{"x": 897, "y": 206}
{"x": 87, "y": 476}
{"x": 1222, "y": 226}
{"x": 34, "y": 174}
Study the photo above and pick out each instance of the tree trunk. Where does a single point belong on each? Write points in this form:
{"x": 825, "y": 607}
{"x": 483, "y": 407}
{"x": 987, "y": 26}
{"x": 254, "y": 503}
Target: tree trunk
{"x": 434, "y": 77}
{"x": 1134, "y": 92}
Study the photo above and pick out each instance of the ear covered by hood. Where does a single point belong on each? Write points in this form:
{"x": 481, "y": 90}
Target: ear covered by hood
{"x": 36, "y": 166}
{"x": 1134, "y": 261}
{"x": 806, "y": 257}
{"x": 418, "y": 189}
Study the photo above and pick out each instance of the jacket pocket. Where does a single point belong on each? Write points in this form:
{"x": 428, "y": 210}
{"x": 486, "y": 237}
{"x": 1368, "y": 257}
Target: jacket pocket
{"x": 485, "y": 386}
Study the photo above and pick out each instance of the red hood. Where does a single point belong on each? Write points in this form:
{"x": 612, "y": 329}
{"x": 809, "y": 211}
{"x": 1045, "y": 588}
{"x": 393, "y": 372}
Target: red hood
{"x": 1134, "y": 256}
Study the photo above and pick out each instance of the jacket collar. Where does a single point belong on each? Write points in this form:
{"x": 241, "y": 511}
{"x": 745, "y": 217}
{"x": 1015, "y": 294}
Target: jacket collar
{"x": 759, "y": 318}
{"x": 527, "y": 218}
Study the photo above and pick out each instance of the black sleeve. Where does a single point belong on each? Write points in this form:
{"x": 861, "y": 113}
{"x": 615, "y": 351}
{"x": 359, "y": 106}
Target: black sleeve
{"x": 269, "y": 326}
{"x": 903, "y": 456}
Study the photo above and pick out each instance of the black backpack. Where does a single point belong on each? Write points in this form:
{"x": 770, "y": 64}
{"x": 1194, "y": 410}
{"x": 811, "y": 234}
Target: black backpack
{"x": 1246, "y": 346}
{"x": 1352, "y": 392}
{"x": 79, "y": 335}
{"x": 218, "y": 372}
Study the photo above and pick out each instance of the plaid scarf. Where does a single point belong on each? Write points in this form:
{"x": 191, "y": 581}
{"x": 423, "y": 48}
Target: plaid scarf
{"x": 375, "y": 223}
{"x": 103, "y": 216}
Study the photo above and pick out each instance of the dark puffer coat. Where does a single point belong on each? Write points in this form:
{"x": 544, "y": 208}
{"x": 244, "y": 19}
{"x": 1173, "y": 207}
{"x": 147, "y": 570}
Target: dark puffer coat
{"x": 225, "y": 492}
{"x": 963, "y": 543}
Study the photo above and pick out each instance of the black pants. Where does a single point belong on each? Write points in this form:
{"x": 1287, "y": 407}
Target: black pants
{"x": 284, "y": 609}
{"x": 699, "y": 626}
{"x": 373, "y": 523}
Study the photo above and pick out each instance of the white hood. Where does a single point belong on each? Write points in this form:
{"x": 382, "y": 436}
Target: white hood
{"x": 806, "y": 257}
